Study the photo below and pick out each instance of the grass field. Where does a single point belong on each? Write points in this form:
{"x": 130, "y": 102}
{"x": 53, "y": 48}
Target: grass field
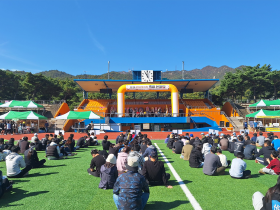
{"x": 65, "y": 184}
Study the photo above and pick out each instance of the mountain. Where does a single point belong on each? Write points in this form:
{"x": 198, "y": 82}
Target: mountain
{"x": 208, "y": 72}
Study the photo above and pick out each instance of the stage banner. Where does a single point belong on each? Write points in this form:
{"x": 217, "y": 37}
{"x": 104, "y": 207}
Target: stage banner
{"x": 272, "y": 129}
{"x": 147, "y": 87}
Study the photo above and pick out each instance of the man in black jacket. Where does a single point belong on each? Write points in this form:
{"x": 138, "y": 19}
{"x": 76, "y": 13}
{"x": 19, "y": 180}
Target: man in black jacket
{"x": 177, "y": 146}
{"x": 154, "y": 171}
{"x": 239, "y": 145}
{"x": 250, "y": 151}
{"x": 31, "y": 157}
{"x": 266, "y": 152}
{"x": 96, "y": 163}
{"x": 196, "y": 158}
{"x": 231, "y": 146}
{"x": 106, "y": 144}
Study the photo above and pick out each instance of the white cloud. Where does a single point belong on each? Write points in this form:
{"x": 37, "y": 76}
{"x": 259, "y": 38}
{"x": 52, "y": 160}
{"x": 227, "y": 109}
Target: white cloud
{"x": 94, "y": 40}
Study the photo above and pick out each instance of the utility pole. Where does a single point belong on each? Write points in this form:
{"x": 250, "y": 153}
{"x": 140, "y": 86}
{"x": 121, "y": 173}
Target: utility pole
{"x": 183, "y": 70}
{"x": 85, "y": 74}
{"x": 108, "y": 69}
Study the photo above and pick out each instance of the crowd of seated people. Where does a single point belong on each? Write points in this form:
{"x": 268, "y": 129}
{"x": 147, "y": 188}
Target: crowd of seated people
{"x": 143, "y": 112}
{"x": 128, "y": 166}
{"x": 206, "y": 152}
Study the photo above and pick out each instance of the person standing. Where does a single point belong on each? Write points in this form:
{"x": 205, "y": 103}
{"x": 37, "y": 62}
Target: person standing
{"x": 245, "y": 125}
{"x": 131, "y": 191}
{"x": 46, "y": 126}
{"x": 256, "y": 126}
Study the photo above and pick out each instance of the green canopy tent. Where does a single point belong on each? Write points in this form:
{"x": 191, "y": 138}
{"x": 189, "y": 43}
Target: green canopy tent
{"x": 28, "y": 115}
{"x": 261, "y": 103}
{"x": 72, "y": 115}
{"x": 264, "y": 114}
{"x": 21, "y": 104}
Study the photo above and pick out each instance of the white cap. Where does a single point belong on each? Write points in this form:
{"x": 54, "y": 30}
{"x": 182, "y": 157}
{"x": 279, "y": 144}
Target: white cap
{"x": 111, "y": 159}
{"x": 35, "y": 134}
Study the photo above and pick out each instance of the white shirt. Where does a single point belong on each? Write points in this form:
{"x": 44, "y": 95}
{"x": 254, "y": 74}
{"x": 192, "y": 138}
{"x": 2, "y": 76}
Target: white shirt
{"x": 223, "y": 160}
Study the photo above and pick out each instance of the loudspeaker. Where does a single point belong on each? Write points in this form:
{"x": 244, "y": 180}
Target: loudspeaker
{"x": 105, "y": 90}
{"x": 186, "y": 91}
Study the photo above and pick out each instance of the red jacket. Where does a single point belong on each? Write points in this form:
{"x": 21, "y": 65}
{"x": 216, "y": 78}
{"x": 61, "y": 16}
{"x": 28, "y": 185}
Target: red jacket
{"x": 275, "y": 166}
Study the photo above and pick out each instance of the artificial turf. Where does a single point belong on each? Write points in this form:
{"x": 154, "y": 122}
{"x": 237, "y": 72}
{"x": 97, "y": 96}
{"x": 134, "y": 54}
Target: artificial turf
{"x": 65, "y": 184}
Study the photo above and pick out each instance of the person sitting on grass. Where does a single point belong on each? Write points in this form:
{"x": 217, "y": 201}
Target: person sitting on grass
{"x": 186, "y": 150}
{"x": 260, "y": 140}
{"x": 96, "y": 163}
{"x": 212, "y": 164}
{"x": 122, "y": 160}
{"x": 238, "y": 168}
{"x": 239, "y": 145}
{"x": 6, "y": 150}
{"x": 53, "y": 151}
{"x": 196, "y": 158}
{"x": 33, "y": 138}
{"x": 274, "y": 165}
{"x": 170, "y": 142}
{"x": 224, "y": 143}
{"x": 270, "y": 201}
{"x": 11, "y": 143}
{"x": 108, "y": 173}
{"x": 206, "y": 147}
{"x": 250, "y": 151}
{"x": 131, "y": 191}
{"x": 266, "y": 152}
{"x": 143, "y": 147}
{"x": 276, "y": 143}
{"x": 81, "y": 143}
{"x": 14, "y": 162}
{"x": 231, "y": 146}
{"x": 23, "y": 144}
{"x": 5, "y": 184}
{"x": 135, "y": 151}
{"x": 44, "y": 141}
{"x": 31, "y": 157}
{"x": 116, "y": 148}
{"x": 149, "y": 150}
{"x": 106, "y": 143}
{"x": 177, "y": 147}
{"x": 223, "y": 158}
{"x": 38, "y": 145}
{"x": 154, "y": 171}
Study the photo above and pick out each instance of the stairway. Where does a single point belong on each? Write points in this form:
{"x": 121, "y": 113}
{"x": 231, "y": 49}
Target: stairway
{"x": 238, "y": 121}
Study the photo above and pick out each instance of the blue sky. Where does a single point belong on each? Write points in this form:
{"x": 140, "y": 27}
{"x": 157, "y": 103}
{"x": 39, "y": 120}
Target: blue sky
{"x": 78, "y": 36}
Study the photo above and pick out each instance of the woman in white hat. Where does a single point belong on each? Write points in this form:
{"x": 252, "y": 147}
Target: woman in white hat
{"x": 108, "y": 173}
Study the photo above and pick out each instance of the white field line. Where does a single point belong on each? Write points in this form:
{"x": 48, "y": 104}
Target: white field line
{"x": 187, "y": 192}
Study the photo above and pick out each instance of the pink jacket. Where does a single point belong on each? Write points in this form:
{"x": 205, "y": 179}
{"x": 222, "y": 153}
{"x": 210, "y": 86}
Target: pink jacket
{"x": 122, "y": 161}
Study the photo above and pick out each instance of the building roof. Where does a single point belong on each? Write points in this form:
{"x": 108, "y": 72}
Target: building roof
{"x": 94, "y": 85}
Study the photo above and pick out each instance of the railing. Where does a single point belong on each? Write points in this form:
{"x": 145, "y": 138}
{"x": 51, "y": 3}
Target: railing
{"x": 235, "y": 107}
{"x": 147, "y": 115}
{"x": 229, "y": 119}
{"x": 203, "y": 113}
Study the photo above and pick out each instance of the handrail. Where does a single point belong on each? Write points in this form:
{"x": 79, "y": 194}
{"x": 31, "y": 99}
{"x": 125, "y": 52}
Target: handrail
{"x": 234, "y": 106}
{"x": 229, "y": 119}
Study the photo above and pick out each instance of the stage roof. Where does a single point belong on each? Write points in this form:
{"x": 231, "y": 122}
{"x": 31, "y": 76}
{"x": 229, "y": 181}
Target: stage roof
{"x": 198, "y": 85}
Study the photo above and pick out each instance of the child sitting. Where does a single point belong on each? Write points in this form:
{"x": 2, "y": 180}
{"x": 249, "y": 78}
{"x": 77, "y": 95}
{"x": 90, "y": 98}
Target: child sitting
{"x": 274, "y": 165}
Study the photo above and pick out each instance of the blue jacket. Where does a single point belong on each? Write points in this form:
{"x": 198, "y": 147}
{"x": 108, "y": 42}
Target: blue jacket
{"x": 129, "y": 186}
{"x": 149, "y": 150}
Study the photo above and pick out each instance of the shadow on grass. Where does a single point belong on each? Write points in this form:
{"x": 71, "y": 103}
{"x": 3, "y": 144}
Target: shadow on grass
{"x": 173, "y": 183}
{"x": 45, "y": 166}
{"x": 39, "y": 174}
{"x": 17, "y": 194}
{"x": 164, "y": 205}
{"x": 256, "y": 175}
